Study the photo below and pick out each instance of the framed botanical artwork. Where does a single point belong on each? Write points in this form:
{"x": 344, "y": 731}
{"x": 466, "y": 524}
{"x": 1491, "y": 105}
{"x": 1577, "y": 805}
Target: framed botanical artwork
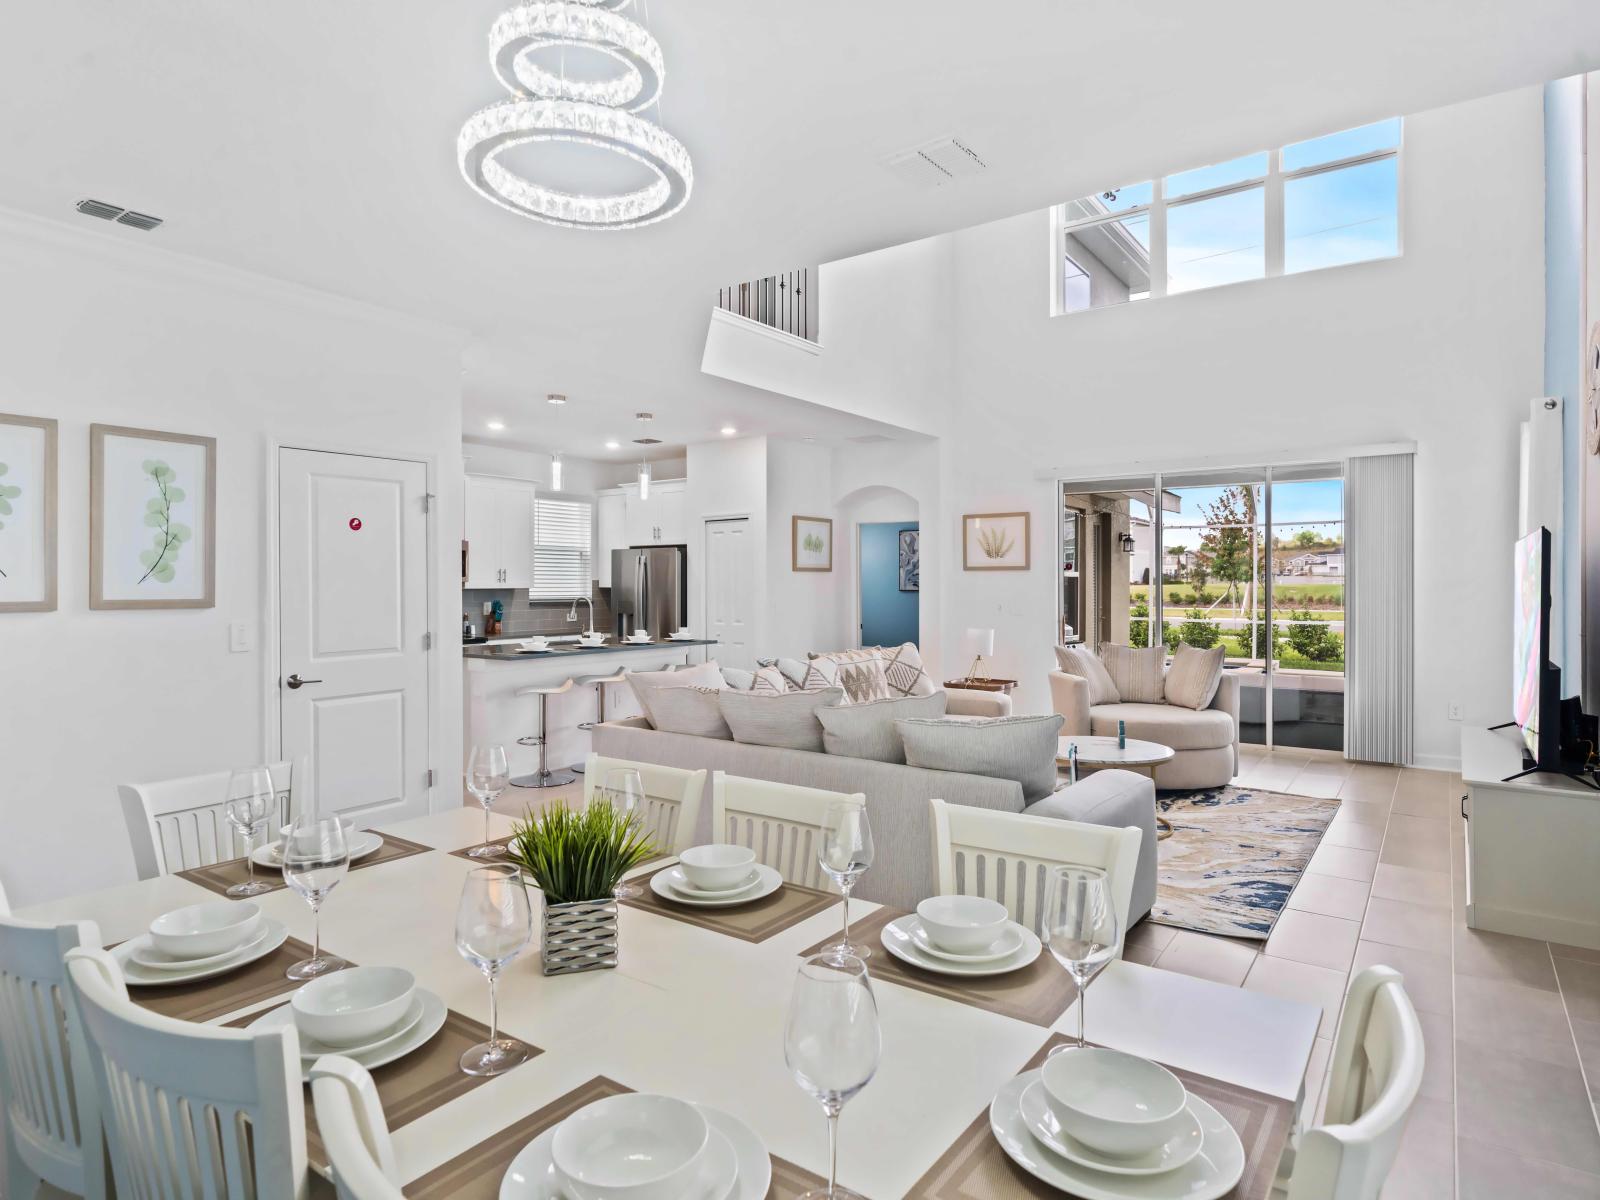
{"x": 152, "y": 519}
{"x": 812, "y": 544}
{"x": 27, "y": 514}
{"x": 994, "y": 541}
{"x": 910, "y": 560}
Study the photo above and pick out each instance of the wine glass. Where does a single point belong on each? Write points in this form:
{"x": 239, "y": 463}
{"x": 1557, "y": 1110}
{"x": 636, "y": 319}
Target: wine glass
{"x": 315, "y": 858}
{"x": 624, "y": 792}
{"x": 249, "y": 804}
{"x": 844, "y": 851}
{"x": 487, "y": 776}
{"x": 493, "y": 925}
{"x": 1079, "y": 924}
{"x": 832, "y": 1044}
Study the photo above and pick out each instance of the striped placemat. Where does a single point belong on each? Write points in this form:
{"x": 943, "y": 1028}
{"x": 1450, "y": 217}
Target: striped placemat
{"x": 1038, "y": 993}
{"x": 753, "y": 922}
{"x": 208, "y": 999}
{"x": 219, "y": 877}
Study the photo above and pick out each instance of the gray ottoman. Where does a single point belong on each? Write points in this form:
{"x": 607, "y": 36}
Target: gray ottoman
{"x": 1113, "y": 798}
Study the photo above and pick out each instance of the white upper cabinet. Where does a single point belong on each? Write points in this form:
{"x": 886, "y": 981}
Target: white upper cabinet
{"x": 661, "y": 518}
{"x": 498, "y": 530}
{"x": 610, "y": 532}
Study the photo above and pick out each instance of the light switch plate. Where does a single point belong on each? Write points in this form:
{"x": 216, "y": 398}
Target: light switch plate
{"x": 239, "y": 636}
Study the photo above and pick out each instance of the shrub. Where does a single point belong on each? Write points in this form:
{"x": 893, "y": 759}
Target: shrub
{"x": 1198, "y": 632}
{"x": 1311, "y": 638}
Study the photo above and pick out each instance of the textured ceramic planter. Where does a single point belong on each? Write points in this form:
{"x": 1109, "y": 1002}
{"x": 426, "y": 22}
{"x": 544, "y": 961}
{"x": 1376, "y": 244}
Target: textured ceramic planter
{"x": 581, "y": 936}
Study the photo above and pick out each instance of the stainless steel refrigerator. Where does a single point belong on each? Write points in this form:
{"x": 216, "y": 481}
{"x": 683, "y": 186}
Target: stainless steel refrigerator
{"x": 649, "y": 589}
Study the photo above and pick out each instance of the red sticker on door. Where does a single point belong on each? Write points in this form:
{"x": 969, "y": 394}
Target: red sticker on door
{"x": 355, "y": 522}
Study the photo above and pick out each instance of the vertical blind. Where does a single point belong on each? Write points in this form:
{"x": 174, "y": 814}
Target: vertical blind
{"x": 563, "y": 534}
{"x": 1379, "y": 573}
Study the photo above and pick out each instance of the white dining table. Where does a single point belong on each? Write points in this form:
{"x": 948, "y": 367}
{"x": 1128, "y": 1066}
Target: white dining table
{"x": 699, "y": 1014}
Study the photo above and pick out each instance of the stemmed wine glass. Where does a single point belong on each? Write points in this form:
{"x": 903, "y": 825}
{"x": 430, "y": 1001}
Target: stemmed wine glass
{"x": 832, "y": 1044}
{"x": 624, "y": 792}
{"x": 487, "y": 776}
{"x": 315, "y": 859}
{"x": 494, "y": 924}
{"x": 1079, "y": 924}
{"x": 844, "y": 851}
{"x": 249, "y": 804}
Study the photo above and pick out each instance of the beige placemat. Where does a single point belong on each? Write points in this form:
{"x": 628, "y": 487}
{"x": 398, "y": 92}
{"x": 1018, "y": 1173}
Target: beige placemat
{"x": 208, "y": 999}
{"x": 976, "y": 1168}
{"x": 475, "y": 1174}
{"x": 753, "y": 922}
{"x": 1039, "y": 993}
{"x": 219, "y": 877}
{"x": 413, "y": 1086}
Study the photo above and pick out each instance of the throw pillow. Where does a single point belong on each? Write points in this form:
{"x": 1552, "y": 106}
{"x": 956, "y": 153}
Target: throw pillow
{"x": 770, "y": 681}
{"x": 1193, "y": 678}
{"x": 903, "y": 670}
{"x": 691, "y": 710}
{"x": 792, "y": 669}
{"x": 1075, "y": 660}
{"x": 646, "y": 683}
{"x": 738, "y": 678}
{"x": 869, "y": 730}
{"x": 1020, "y": 748}
{"x": 858, "y": 672}
{"x": 1136, "y": 673}
{"x": 788, "y": 721}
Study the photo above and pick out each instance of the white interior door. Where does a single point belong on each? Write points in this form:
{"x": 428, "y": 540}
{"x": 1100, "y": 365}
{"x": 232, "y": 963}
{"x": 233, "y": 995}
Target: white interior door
{"x": 730, "y": 578}
{"x": 353, "y": 617}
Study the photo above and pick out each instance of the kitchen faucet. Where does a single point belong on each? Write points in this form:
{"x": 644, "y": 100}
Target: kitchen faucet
{"x": 572, "y": 613}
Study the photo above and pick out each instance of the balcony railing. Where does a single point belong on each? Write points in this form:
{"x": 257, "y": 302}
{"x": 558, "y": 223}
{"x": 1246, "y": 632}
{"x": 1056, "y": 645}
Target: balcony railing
{"x": 786, "y": 302}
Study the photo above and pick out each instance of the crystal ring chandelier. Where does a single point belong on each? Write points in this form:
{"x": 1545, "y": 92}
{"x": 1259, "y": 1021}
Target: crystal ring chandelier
{"x": 548, "y": 107}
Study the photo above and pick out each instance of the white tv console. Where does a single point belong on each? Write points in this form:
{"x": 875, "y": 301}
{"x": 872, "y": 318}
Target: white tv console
{"x": 1533, "y": 845}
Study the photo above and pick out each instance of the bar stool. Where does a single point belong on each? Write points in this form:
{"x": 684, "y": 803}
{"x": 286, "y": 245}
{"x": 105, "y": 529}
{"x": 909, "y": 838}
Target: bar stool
{"x": 599, "y": 682}
{"x": 544, "y": 777}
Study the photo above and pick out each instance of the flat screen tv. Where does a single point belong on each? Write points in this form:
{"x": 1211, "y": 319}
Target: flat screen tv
{"x": 1537, "y": 682}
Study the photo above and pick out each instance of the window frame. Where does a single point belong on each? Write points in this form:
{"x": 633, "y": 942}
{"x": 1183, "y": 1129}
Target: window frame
{"x": 539, "y": 595}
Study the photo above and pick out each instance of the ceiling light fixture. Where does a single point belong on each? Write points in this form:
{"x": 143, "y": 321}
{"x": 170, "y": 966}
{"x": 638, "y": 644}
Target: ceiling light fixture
{"x": 555, "y": 398}
{"x": 495, "y": 426}
{"x": 555, "y": 471}
{"x": 613, "y": 445}
{"x": 548, "y": 107}
{"x": 728, "y": 431}
{"x": 644, "y": 480}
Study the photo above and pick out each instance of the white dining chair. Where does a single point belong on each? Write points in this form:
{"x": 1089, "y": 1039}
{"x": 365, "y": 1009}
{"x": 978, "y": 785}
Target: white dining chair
{"x": 1374, "y": 1075}
{"x": 50, "y": 1107}
{"x": 1004, "y": 856}
{"x": 178, "y": 824}
{"x": 672, "y": 797}
{"x": 354, "y": 1130}
{"x": 189, "y": 1110}
{"x": 777, "y": 820}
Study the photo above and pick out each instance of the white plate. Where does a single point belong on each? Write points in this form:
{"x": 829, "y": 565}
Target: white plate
{"x": 141, "y": 976}
{"x": 1206, "y": 1176}
{"x": 361, "y": 845}
{"x": 311, "y": 1048}
{"x": 418, "y": 1034}
{"x": 897, "y": 941}
{"x": 661, "y": 885}
{"x": 1009, "y": 941}
{"x": 679, "y": 880}
{"x": 532, "y": 1176}
{"x": 1042, "y": 1123}
{"x": 146, "y": 955}
{"x": 681, "y": 637}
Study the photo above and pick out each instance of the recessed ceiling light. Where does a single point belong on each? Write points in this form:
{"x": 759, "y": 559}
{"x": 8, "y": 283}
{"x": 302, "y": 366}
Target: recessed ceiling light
{"x": 728, "y": 431}
{"x": 556, "y": 398}
{"x": 496, "y": 426}
{"x": 613, "y": 445}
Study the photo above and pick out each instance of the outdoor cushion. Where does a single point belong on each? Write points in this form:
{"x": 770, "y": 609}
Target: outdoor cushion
{"x": 1137, "y": 674}
{"x": 1075, "y": 660}
{"x": 788, "y": 721}
{"x": 868, "y": 730}
{"x": 1168, "y": 724}
{"x": 1193, "y": 677}
{"x": 645, "y": 683}
{"x": 1020, "y": 748}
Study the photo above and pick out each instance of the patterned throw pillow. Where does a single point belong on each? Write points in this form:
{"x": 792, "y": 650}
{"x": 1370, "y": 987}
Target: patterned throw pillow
{"x": 1075, "y": 660}
{"x": 770, "y": 681}
{"x": 858, "y": 672}
{"x": 903, "y": 670}
{"x": 1136, "y": 673}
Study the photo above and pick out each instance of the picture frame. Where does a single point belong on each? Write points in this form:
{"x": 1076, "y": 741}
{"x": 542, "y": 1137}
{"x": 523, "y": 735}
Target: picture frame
{"x": 811, "y": 544}
{"x": 29, "y": 465}
{"x": 909, "y": 562}
{"x": 152, "y": 519}
{"x": 996, "y": 541}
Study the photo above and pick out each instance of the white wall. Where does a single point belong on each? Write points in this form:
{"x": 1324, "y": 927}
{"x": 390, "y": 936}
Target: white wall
{"x": 579, "y": 476}
{"x": 801, "y": 605}
{"x": 93, "y": 329}
{"x": 728, "y": 479}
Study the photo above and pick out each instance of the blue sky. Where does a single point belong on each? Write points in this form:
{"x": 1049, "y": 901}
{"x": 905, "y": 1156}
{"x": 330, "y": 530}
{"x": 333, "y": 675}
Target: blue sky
{"x": 1314, "y": 504}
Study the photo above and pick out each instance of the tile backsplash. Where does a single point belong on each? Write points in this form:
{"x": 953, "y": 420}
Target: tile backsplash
{"x": 548, "y": 617}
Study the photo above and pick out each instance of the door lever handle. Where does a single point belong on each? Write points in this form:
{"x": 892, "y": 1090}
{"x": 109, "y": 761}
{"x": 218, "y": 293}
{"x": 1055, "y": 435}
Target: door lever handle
{"x": 294, "y": 681}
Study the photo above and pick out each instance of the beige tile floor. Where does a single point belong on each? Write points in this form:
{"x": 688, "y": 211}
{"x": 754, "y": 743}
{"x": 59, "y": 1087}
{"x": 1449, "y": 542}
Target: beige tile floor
{"x": 1511, "y": 1025}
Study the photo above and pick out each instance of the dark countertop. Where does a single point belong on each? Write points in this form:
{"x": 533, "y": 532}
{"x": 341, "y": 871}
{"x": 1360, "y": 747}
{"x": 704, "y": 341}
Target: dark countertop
{"x": 512, "y": 652}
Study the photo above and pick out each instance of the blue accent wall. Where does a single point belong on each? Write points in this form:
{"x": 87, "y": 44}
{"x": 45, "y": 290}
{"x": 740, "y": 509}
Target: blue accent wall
{"x": 888, "y": 615}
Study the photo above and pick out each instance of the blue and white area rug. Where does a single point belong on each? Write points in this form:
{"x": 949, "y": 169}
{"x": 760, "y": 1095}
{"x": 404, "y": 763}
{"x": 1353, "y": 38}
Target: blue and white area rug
{"x": 1234, "y": 857}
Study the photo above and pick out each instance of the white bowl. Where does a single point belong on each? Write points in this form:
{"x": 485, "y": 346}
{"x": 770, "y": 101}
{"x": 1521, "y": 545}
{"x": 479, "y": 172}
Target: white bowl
{"x": 201, "y": 930}
{"x": 353, "y": 1005}
{"x": 630, "y": 1147}
{"x": 1119, "y": 1104}
{"x": 962, "y": 924}
{"x": 718, "y": 866}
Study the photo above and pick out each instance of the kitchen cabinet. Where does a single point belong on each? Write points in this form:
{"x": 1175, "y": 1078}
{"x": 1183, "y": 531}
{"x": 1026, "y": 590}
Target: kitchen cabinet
{"x": 660, "y": 519}
{"x": 610, "y": 532}
{"x": 498, "y": 530}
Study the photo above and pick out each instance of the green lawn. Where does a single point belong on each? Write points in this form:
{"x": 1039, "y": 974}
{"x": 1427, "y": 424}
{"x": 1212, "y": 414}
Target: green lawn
{"x": 1303, "y": 595}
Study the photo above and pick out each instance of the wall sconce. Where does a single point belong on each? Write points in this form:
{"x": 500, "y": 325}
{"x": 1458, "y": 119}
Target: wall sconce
{"x": 1127, "y": 543}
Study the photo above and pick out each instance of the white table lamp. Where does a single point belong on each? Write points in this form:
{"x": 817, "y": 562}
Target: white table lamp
{"x": 980, "y": 644}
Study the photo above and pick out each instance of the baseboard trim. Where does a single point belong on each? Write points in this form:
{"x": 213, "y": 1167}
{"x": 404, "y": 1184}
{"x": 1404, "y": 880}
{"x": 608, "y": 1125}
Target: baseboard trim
{"x": 1436, "y": 762}
{"x": 1541, "y": 926}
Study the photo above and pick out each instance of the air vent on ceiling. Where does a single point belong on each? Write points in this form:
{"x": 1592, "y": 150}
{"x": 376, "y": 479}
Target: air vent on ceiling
{"x": 139, "y": 220}
{"x": 936, "y": 163}
{"x": 647, "y": 441}
{"x": 122, "y": 216}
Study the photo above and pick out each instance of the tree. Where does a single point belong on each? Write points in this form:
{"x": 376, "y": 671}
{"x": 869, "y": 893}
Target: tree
{"x": 1230, "y": 540}
{"x": 1306, "y": 538}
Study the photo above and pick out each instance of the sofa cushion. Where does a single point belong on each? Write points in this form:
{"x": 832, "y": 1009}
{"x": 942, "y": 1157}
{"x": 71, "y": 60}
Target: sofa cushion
{"x": 770, "y": 681}
{"x": 1193, "y": 677}
{"x": 1180, "y": 728}
{"x": 691, "y": 710}
{"x": 858, "y": 672}
{"x": 788, "y": 721}
{"x": 1136, "y": 673}
{"x": 1019, "y": 748}
{"x": 792, "y": 670}
{"x": 738, "y": 678}
{"x": 868, "y": 730}
{"x": 903, "y": 670}
{"x": 645, "y": 683}
{"x": 1075, "y": 660}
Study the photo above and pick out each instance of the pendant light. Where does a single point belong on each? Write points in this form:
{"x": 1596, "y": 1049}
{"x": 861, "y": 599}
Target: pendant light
{"x": 644, "y": 480}
{"x": 555, "y": 471}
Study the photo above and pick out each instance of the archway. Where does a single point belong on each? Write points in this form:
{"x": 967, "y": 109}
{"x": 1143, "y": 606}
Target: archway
{"x": 882, "y": 528}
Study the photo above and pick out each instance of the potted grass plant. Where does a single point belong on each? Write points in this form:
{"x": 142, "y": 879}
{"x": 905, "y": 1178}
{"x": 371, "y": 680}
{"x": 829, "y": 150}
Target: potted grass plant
{"x": 577, "y": 859}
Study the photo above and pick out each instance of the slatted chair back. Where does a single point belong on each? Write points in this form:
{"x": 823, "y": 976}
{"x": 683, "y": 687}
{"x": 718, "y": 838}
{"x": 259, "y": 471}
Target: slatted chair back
{"x": 351, "y": 1122}
{"x": 672, "y": 798}
{"x": 177, "y": 824}
{"x": 777, "y": 820}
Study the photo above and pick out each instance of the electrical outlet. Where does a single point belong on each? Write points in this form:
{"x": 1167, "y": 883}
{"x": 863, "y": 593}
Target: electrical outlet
{"x": 238, "y": 636}
{"x": 1454, "y": 711}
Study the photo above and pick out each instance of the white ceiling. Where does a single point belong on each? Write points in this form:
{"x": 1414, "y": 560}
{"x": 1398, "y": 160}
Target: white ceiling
{"x": 315, "y": 142}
